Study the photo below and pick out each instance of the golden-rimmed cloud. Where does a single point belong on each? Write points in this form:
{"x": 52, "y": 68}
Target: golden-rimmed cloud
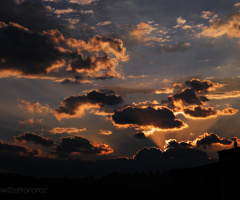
{"x": 187, "y": 96}
{"x": 147, "y": 118}
{"x": 228, "y": 26}
{"x": 111, "y": 46}
{"x": 32, "y": 137}
{"x": 142, "y": 32}
{"x": 131, "y": 90}
{"x": 34, "y": 107}
{"x": 105, "y": 132}
{"x": 200, "y": 112}
{"x": 11, "y": 149}
{"x": 205, "y": 140}
{"x": 46, "y": 54}
{"x": 75, "y": 106}
{"x": 78, "y": 145}
{"x": 203, "y": 86}
{"x": 68, "y": 130}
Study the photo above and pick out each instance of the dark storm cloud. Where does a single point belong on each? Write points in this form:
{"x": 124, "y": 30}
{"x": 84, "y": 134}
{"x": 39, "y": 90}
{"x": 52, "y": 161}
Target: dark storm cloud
{"x": 186, "y": 152}
{"x": 187, "y": 96}
{"x": 104, "y": 99}
{"x": 24, "y": 52}
{"x": 207, "y": 139}
{"x": 149, "y": 154}
{"x": 171, "y": 154}
{"x": 212, "y": 138}
{"x": 130, "y": 90}
{"x": 162, "y": 118}
{"x": 80, "y": 145}
{"x": 74, "y": 106}
{"x": 202, "y": 86}
{"x": 37, "y": 139}
{"x": 33, "y": 15}
{"x": 4, "y": 147}
{"x": 140, "y": 135}
{"x": 10, "y": 149}
{"x": 70, "y": 82}
{"x": 209, "y": 112}
{"x": 200, "y": 112}
{"x": 92, "y": 64}
{"x": 172, "y": 143}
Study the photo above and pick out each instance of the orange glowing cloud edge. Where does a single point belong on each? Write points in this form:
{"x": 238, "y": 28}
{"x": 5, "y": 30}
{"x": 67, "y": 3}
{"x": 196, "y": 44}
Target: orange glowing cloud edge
{"x": 105, "y": 132}
{"x": 224, "y": 95}
{"x": 34, "y": 107}
{"x": 105, "y": 148}
{"x": 79, "y": 112}
{"x": 148, "y": 129}
{"x": 225, "y": 111}
{"x": 193, "y": 143}
{"x": 27, "y": 121}
{"x": 69, "y": 130}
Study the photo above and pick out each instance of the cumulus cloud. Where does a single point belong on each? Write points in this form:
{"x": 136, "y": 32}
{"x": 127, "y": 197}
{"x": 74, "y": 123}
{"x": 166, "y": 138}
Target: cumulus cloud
{"x": 228, "y": 26}
{"x": 237, "y": 4}
{"x": 170, "y": 154}
{"x": 83, "y": 2}
{"x": 178, "y": 46}
{"x": 207, "y": 139}
{"x": 149, "y": 154}
{"x": 203, "y": 86}
{"x": 189, "y": 102}
{"x": 174, "y": 147}
{"x": 34, "y": 107}
{"x": 112, "y": 46}
{"x": 80, "y": 145}
{"x": 32, "y": 137}
{"x": 142, "y": 32}
{"x": 68, "y": 81}
{"x": 186, "y": 152}
{"x": 187, "y": 96}
{"x": 34, "y": 15}
{"x": 172, "y": 143}
{"x": 180, "y": 22}
{"x": 25, "y": 53}
{"x": 27, "y": 121}
{"x": 228, "y": 111}
{"x": 100, "y": 66}
{"x": 230, "y": 88}
{"x": 74, "y": 106}
{"x": 105, "y": 132}
{"x": 69, "y": 130}
{"x": 105, "y": 23}
{"x": 224, "y": 95}
{"x": 200, "y": 112}
{"x": 6, "y": 149}
{"x": 162, "y": 118}
{"x": 130, "y": 90}
{"x": 12, "y": 148}
{"x": 140, "y": 135}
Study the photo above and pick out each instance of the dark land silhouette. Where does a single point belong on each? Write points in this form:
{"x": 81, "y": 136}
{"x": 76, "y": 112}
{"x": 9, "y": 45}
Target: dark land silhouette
{"x": 217, "y": 180}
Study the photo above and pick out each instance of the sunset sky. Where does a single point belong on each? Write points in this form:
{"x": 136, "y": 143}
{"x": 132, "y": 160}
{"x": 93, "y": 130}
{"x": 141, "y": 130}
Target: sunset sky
{"x": 103, "y": 79}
